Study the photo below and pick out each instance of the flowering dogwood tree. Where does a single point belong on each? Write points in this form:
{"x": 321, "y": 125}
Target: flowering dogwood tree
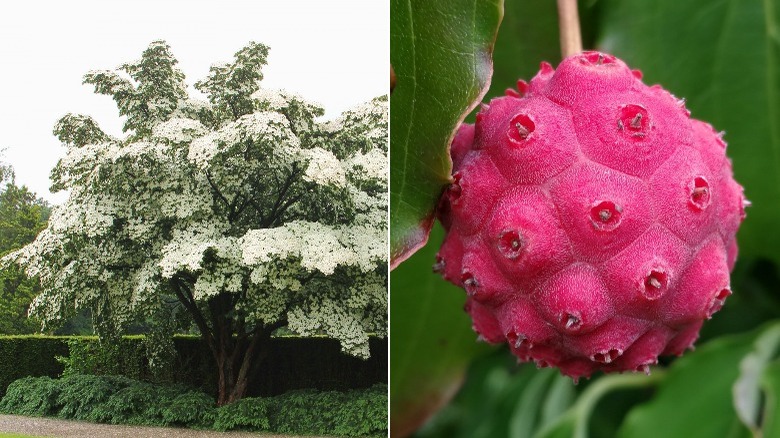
{"x": 244, "y": 212}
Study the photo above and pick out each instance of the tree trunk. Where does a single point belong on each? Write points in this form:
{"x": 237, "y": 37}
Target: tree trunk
{"x": 234, "y": 368}
{"x": 235, "y": 351}
{"x": 226, "y": 380}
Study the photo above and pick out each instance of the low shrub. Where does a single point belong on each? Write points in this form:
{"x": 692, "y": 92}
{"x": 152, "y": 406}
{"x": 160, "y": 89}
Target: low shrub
{"x": 134, "y": 404}
{"x": 120, "y": 400}
{"x": 366, "y": 413}
{"x": 81, "y": 395}
{"x": 32, "y": 396}
{"x": 191, "y": 409}
{"x": 130, "y": 405}
{"x": 352, "y": 413}
{"x": 245, "y": 414}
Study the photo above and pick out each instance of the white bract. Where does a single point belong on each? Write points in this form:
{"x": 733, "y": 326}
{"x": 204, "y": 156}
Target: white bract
{"x": 246, "y": 207}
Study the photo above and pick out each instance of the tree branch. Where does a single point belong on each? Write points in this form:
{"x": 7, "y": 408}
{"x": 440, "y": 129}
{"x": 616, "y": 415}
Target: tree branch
{"x": 219, "y": 194}
{"x": 285, "y": 187}
{"x": 192, "y": 307}
{"x": 283, "y": 209}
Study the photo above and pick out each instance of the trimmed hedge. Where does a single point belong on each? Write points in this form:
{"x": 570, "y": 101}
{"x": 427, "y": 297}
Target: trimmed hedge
{"x": 29, "y": 355}
{"x": 120, "y": 400}
{"x": 292, "y": 363}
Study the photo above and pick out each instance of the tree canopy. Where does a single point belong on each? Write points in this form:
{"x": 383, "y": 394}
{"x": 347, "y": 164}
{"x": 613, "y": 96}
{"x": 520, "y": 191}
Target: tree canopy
{"x": 22, "y": 216}
{"x": 244, "y": 213}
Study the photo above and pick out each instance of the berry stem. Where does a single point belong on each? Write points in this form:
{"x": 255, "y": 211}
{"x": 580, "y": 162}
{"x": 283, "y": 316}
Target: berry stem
{"x": 569, "y": 25}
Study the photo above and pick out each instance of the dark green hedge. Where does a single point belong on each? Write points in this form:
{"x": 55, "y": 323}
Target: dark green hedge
{"x": 120, "y": 400}
{"x": 29, "y": 355}
{"x": 302, "y": 363}
{"x": 292, "y": 363}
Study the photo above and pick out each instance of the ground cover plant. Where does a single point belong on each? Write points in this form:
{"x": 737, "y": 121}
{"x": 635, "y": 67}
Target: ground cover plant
{"x": 120, "y": 400}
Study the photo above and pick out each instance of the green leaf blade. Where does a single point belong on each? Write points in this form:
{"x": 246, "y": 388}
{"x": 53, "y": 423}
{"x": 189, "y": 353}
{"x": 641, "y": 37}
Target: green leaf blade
{"x": 746, "y": 390}
{"x": 441, "y": 55}
{"x": 723, "y": 56}
{"x": 695, "y": 397}
{"x": 770, "y": 384}
{"x": 431, "y": 341}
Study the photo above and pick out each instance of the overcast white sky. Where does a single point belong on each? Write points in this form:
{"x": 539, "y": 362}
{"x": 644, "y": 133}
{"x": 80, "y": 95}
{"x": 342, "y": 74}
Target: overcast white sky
{"x": 335, "y": 52}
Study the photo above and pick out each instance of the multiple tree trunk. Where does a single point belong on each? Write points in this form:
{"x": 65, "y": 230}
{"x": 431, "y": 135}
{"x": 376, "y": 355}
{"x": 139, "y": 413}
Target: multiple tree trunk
{"x": 237, "y": 349}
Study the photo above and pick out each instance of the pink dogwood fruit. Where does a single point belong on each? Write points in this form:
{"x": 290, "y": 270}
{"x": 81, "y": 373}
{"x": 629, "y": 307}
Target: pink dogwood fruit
{"x": 590, "y": 220}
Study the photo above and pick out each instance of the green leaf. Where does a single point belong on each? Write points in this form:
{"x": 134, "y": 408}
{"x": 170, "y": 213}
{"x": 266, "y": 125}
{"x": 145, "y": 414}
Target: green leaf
{"x": 559, "y": 397}
{"x": 770, "y": 383}
{"x": 528, "y": 36}
{"x": 431, "y": 341}
{"x": 441, "y": 54}
{"x": 524, "y": 417}
{"x": 723, "y": 56}
{"x": 747, "y": 391}
{"x": 501, "y": 398}
{"x": 695, "y": 398}
{"x": 574, "y": 423}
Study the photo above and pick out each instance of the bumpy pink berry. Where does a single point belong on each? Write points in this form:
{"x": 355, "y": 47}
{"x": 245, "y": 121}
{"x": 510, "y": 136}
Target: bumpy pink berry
{"x": 590, "y": 220}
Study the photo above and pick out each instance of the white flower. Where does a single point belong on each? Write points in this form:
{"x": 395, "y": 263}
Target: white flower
{"x": 195, "y": 198}
{"x": 179, "y": 130}
{"x": 324, "y": 168}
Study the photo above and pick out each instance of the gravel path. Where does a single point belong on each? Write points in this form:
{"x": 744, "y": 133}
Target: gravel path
{"x": 50, "y": 427}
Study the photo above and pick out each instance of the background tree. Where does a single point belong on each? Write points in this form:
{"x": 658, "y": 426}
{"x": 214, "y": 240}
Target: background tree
{"x": 22, "y": 216}
{"x": 242, "y": 214}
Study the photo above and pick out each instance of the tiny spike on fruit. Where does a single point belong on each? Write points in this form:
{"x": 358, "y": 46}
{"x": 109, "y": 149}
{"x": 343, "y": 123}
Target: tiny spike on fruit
{"x": 522, "y": 87}
{"x": 590, "y": 219}
{"x": 546, "y": 68}
{"x": 512, "y": 92}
